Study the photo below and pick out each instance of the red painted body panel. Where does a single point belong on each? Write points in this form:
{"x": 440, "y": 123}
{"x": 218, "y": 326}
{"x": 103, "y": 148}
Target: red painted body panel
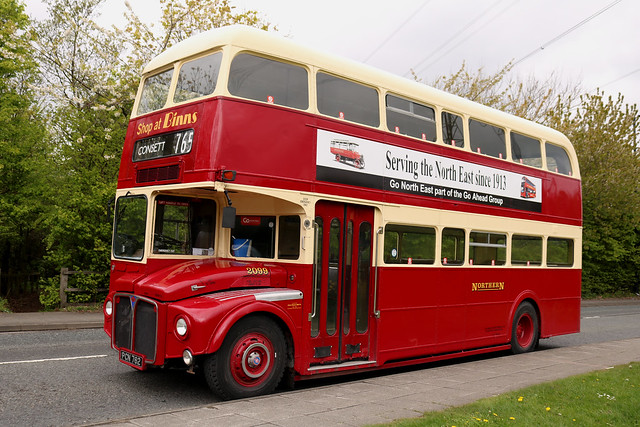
{"x": 248, "y": 126}
{"x": 211, "y": 316}
{"x": 426, "y": 313}
{"x": 436, "y": 310}
{"x": 193, "y": 278}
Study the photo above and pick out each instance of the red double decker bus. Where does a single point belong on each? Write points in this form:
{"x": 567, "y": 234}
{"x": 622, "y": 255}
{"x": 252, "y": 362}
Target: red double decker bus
{"x": 241, "y": 247}
{"x": 527, "y": 189}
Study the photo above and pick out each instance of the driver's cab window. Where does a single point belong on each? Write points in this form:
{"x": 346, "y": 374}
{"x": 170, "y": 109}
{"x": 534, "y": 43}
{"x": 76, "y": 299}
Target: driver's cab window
{"x": 184, "y": 226}
{"x": 254, "y": 236}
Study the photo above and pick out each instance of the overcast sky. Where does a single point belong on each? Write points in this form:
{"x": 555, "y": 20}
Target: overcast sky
{"x": 592, "y": 42}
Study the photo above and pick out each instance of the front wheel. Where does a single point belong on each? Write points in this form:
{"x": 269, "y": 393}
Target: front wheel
{"x": 525, "y": 329}
{"x": 250, "y": 361}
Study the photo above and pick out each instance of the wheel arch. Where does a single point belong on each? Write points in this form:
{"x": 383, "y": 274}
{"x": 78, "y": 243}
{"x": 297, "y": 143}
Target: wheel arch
{"x": 270, "y": 311}
{"x": 525, "y": 297}
{"x": 525, "y": 326}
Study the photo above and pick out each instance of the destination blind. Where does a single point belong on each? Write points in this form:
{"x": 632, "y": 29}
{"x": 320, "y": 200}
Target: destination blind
{"x": 165, "y": 145}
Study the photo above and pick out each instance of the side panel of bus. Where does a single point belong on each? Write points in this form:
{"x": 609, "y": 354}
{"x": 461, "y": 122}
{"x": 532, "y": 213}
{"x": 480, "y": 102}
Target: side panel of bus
{"x": 441, "y": 310}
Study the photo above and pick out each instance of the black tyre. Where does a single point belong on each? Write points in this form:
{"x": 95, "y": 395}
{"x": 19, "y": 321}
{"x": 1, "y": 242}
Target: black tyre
{"x": 525, "y": 330}
{"x": 250, "y": 361}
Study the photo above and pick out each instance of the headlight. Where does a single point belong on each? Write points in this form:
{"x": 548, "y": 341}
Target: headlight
{"x": 187, "y": 357}
{"x": 181, "y": 327}
{"x": 108, "y": 308}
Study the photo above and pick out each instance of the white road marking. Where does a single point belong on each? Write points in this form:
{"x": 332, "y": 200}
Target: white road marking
{"x": 57, "y": 359}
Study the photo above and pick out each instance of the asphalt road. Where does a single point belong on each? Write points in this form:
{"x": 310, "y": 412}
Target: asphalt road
{"x": 73, "y": 377}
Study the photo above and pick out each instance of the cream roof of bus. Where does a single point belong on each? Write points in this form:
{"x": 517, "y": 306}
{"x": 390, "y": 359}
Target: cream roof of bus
{"x": 274, "y": 45}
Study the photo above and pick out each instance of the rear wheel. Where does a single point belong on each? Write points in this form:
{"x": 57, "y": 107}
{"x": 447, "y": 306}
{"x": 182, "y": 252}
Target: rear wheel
{"x": 525, "y": 329}
{"x": 250, "y": 361}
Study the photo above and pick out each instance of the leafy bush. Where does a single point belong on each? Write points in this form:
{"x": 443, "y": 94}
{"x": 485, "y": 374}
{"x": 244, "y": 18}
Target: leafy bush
{"x": 50, "y": 293}
{"x": 4, "y": 306}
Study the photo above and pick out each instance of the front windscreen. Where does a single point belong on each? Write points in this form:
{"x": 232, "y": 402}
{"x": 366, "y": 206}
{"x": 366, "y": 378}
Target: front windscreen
{"x": 184, "y": 226}
{"x": 129, "y": 228}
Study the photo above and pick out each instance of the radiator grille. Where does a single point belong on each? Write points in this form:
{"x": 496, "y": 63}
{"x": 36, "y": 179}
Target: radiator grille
{"x": 164, "y": 173}
{"x": 135, "y": 325}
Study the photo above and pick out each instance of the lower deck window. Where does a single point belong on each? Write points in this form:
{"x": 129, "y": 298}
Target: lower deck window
{"x": 289, "y": 237}
{"x": 526, "y": 250}
{"x": 487, "y": 248}
{"x": 409, "y": 245}
{"x": 255, "y": 236}
{"x": 559, "y": 252}
{"x": 453, "y": 242}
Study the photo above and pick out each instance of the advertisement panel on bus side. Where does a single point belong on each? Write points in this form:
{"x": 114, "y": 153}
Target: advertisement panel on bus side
{"x": 404, "y": 170}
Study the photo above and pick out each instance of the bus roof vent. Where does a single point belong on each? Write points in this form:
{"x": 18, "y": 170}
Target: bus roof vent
{"x": 164, "y": 173}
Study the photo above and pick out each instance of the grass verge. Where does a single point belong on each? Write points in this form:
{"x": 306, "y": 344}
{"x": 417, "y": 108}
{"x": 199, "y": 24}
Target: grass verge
{"x": 609, "y": 397}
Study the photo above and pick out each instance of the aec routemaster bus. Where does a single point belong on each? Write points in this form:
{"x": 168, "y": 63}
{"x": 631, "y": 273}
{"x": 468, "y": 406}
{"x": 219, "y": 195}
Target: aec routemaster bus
{"x": 242, "y": 249}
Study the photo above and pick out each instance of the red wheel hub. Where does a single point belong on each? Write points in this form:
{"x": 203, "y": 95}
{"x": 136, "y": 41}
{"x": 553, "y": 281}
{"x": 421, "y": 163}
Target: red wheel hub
{"x": 524, "y": 330}
{"x": 252, "y": 359}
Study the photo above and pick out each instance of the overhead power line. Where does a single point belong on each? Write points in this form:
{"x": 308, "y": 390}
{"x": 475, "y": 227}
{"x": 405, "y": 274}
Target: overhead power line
{"x": 411, "y": 16}
{"x": 469, "y": 24}
{"x": 624, "y": 76}
{"x": 456, "y": 34}
{"x": 555, "y": 39}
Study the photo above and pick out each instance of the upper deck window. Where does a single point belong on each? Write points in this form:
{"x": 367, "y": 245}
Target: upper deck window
{"x": 410, "y": 118}
{"x": 347, "y": 100}
{"x": 155, "y": 92}
{"x": 525, "y": 150}
{"x": 558, "y": 159}
{"x": 266, "y": 80}
{"x": 487, "y": 139}
{"x": 198, "y": 77}
{"x": 452, "y": 129}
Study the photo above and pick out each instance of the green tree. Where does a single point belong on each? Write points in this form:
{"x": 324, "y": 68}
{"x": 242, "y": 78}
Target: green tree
{"x": 86, "y": 126}
{"x": 142, "y": 41}
{"x": 604, "y": 133}
{"x": 89, "y": 78}
{"x": 529, "y": 98}
{"x": 21, "y": 134}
